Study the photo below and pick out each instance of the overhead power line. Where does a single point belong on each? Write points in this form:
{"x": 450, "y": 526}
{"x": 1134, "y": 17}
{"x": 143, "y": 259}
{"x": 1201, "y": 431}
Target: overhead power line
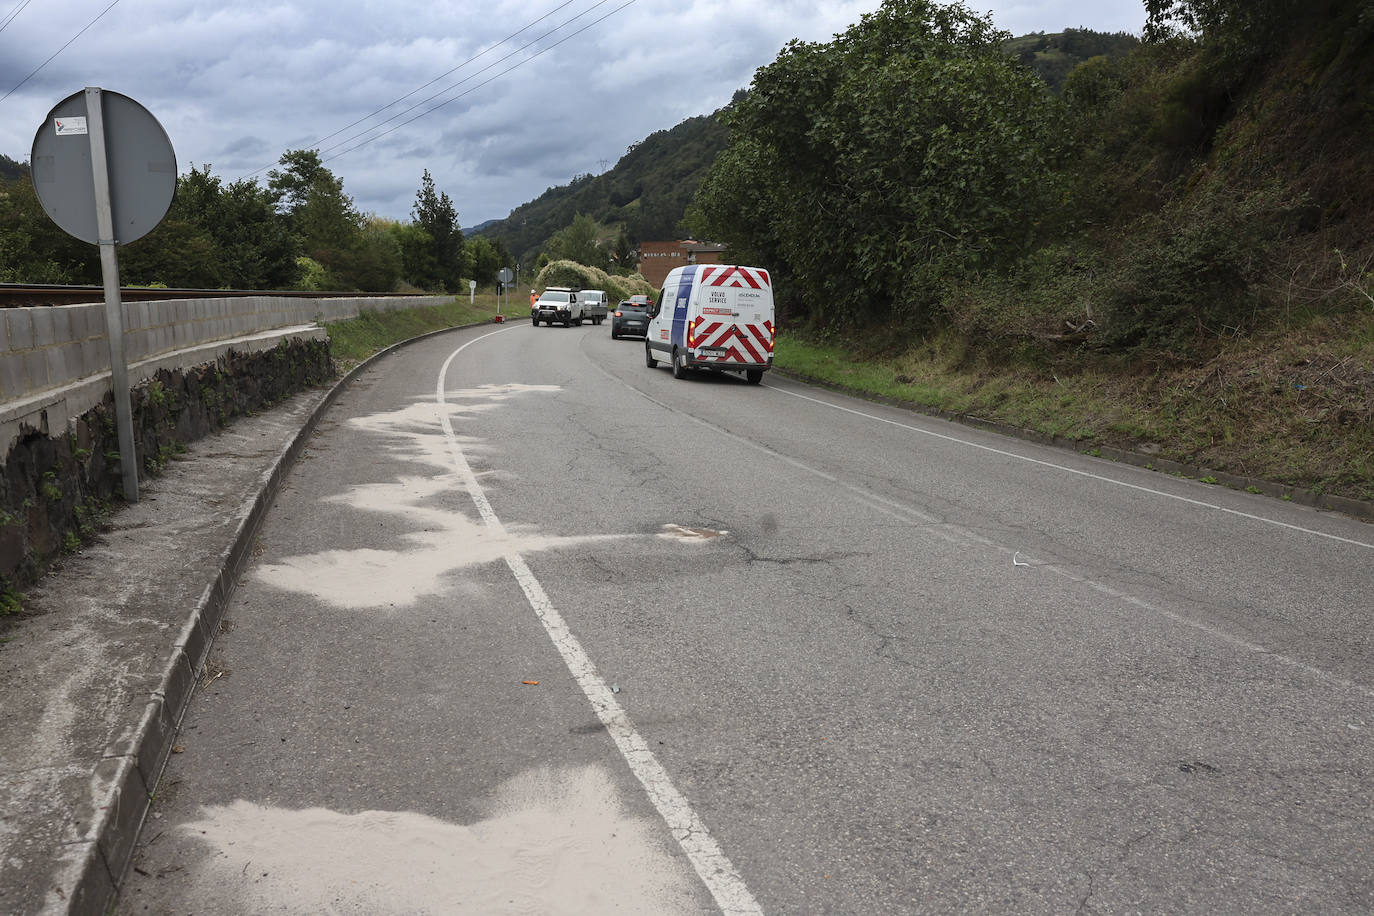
{"x": 436, "y": 79}
{"x": 9, "y": 17}
{"x": 460, "y": 95}
{"x": 473, "y": 76}
{"x": 447, "y": 72}
{"x": 112, "y": 5}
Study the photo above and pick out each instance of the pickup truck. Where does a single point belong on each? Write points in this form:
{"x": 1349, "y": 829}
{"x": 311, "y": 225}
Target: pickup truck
{"x": 557, "y": 303}
{"x": 594, "y": 304}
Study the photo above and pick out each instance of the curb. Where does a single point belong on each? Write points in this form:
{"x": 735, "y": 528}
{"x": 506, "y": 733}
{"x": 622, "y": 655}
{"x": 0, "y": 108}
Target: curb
{"x": 132, "y": 768}
{"x": 1360, "y": 510}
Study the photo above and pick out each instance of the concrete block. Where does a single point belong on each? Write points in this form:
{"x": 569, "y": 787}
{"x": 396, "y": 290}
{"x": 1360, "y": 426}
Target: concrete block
{"x": 137, "y": 345}
{"x": 79, "y": 321}
{"x": 158, "y": 731}
{"x": 84, "y": 880}
{"x": 13, "y": 382}
{"x": 95, "y": 356}
{"x": 61, "y": 323}
{"x": 35, "y": 370}
{"x": 57, "y": 367}
{"x": 43, "y": 331}
{"x": 126, "y": 801}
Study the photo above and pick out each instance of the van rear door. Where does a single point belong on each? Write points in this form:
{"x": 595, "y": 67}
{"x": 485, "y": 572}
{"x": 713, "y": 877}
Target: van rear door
{"x": 731, "y": 318}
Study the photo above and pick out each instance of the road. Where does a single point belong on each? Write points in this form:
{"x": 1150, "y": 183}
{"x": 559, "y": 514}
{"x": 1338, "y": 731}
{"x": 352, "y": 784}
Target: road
{"x": 535, "y": 629}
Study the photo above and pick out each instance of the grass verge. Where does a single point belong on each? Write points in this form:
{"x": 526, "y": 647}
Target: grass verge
{"x": 1295, "y": 408}
{"x": 356, "y": 339}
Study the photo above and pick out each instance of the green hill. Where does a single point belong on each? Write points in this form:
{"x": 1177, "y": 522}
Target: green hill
{"x": 1053, "y": 57}
{"x": 646, "y": 193}
{"x": 648, "y": 190}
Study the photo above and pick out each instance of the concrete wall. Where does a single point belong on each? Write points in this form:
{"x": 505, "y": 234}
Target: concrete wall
{"x": 55, "y": 360}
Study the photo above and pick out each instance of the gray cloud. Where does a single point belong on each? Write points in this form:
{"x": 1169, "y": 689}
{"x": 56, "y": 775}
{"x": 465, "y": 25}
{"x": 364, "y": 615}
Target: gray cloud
{"x": 237, "y": 85}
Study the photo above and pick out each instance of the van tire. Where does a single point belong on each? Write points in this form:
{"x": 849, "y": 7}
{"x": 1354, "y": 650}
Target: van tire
{"x": 679, "y": 364}
{"x": 753, "y": 375}
{"x": 649, "y": 357}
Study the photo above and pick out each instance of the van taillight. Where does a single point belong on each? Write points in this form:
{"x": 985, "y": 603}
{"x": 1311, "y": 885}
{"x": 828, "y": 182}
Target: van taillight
{"x": 692, "y": 334}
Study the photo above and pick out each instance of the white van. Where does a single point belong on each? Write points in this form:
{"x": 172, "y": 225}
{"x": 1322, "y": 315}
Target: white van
{"x": 713, "y": 316}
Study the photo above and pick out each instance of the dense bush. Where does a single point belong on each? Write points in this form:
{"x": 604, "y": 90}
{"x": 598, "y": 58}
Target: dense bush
{"x": 579, "y": 276}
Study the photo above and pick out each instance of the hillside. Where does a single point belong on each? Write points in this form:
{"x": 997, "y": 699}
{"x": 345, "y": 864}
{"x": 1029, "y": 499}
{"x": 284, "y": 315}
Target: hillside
{"x": 1172, "y": 257}
{"x": 646, "y": 193}
{"x": 1054, "y": 57}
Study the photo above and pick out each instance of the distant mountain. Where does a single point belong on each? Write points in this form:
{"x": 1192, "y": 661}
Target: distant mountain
{"x": 473, "y": 230}
{"x": 646, "y": 193}
{"x": 1053, "y": 57}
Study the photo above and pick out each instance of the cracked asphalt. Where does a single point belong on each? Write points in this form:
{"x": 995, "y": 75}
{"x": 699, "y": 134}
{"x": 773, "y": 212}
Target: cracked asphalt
{"x": 923, "y": 669}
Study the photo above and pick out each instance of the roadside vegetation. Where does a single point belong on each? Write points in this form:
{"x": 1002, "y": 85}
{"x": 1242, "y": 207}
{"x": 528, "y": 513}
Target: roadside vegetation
{"x": 356, "y": 339}
{"x": 299, "y": 231}
{"x": 1174, "y": 255}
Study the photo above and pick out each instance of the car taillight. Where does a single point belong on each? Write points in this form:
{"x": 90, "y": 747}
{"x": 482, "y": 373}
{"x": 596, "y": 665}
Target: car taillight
{"x": 619, "y": 314}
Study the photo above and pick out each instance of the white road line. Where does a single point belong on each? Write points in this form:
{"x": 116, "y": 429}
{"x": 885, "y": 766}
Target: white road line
{"x": 715, "y": 870}
{"x": 1060, "y": 467}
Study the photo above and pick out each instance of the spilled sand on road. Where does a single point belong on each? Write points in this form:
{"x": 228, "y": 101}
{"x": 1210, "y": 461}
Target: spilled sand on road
{"x": 559, "y": 842}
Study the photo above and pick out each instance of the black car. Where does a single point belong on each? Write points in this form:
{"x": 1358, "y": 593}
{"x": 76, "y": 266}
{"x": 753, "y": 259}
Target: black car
{"x": 630, "y": 318}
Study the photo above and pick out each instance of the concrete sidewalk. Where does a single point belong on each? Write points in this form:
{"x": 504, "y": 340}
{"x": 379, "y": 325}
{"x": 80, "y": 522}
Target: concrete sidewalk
{"x": 95, "y": 682}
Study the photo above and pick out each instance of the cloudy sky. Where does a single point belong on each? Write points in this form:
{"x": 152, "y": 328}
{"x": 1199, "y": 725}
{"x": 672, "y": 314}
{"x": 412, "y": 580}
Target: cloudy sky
{"x": 506, "y": 99}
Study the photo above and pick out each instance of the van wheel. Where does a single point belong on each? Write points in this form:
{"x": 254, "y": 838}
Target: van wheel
{"x": 649, "y": 357}
{"x": 753, "y": 375}
{"x": 679, "y": 364}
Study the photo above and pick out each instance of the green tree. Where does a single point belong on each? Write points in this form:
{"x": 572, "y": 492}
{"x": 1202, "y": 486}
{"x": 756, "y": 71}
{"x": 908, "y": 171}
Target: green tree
{"x": 377, "y": 262}
{"x": 579, "y": 242}
{"x": 624, "y": 253}
{"x": 33, "y": 249}
{"x": 216, "y": 236}
{"x": 322, "y": 218}
{"x": 485, "y": 261}
{"x": 872, "y": 171}
{"x": 419, "y": 267}
{"x": 435, "y": 213}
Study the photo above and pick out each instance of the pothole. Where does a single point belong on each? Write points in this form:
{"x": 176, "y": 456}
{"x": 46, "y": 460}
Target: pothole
{"x": 689, "y": 534}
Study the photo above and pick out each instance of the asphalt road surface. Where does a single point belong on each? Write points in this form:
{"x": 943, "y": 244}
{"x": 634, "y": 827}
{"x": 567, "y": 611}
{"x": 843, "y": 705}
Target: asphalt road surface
{"x": 533, "y": 628}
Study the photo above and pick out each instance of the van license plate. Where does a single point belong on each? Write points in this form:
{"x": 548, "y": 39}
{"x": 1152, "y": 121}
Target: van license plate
{"x": 710, "y": 351}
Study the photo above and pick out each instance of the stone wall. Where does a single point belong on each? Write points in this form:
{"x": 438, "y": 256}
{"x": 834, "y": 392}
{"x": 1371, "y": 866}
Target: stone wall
{"x": 57, "y": 483}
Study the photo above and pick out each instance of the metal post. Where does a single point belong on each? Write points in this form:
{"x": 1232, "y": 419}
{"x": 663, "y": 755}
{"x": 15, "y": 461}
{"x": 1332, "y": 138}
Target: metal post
{"x": 114, "y": 307}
